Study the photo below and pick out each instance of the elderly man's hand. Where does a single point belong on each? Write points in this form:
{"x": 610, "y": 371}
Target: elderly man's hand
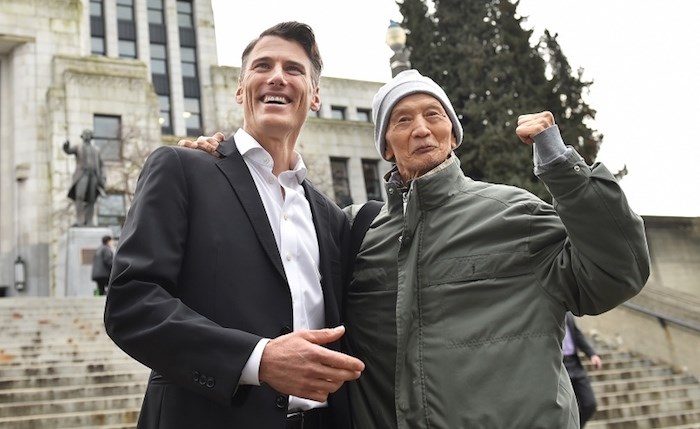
{"x": 532, "y": 124}
{"x": 207, "y": 144}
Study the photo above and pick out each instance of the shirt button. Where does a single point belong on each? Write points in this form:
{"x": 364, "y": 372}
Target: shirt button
{"x": 289, "y": 257}
{"x": 286, "y": 217}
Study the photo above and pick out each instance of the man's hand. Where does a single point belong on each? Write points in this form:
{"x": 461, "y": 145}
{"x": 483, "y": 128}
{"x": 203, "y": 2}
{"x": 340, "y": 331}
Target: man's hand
{"x": 532, "y": 124}
{"x": 207, "y": 144}
{"x": 297, "y": 364}
{"x": 597, "y": 361}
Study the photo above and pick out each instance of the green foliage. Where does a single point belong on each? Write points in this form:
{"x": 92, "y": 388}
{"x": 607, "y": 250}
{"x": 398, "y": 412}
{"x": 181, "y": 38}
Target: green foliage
{"x": 479, "y": 53}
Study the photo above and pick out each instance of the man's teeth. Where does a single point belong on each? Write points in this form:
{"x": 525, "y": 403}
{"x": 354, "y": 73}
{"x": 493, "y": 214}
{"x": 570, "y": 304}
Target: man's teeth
{"x": 274, "y": 99}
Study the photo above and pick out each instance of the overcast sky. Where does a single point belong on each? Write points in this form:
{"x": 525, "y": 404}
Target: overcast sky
{"x": 642, "y": 56}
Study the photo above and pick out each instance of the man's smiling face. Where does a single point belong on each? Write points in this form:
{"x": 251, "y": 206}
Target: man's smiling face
{"x": 277, "y": 91}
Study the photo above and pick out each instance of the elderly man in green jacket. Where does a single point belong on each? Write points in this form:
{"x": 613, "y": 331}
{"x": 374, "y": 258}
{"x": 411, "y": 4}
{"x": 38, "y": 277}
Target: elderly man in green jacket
{"x": 460, "y": 287}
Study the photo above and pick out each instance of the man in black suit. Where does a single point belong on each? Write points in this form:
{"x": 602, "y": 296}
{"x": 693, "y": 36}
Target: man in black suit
{"x": 574, "y": 340}
{"x": 228, "y": 267}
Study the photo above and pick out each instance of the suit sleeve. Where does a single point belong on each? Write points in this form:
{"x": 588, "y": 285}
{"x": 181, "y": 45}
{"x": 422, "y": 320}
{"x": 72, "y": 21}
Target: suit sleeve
{"x": 143, "y": 314}
{"x": 580, "y": 340}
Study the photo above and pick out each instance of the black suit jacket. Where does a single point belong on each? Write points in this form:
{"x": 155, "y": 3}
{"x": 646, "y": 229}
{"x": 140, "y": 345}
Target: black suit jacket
{"x": 576, "y": 369}
{"x": 197, "y": 281}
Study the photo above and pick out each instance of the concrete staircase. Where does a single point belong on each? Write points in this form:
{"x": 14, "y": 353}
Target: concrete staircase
{"x": 634, "y": 392}
{"x": 59, "y": 370}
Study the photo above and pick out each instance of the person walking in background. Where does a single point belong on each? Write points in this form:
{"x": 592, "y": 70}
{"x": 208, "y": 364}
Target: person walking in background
{"x": 88, "y": 180}
{"x": 229, "y": 268}
{"x": 102, "y": 264}
{"x": 575, "y": 340}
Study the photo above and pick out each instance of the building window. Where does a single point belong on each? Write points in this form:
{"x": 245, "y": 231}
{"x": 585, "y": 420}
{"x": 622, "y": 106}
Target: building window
{"x": 189, "y": 62}
{"x": 341, "y": 181}
{"x": 370, "y": 171}
{"x": 97, "y": 28}
{"x": 156, "y": 12}
{"x": 338, "y": 112}
{"x": 184, "y": 14}
{"x": 125, "y": 10}
{"x": 107, "y": 136}
{"x": 126, "y": 27}
{"x": 192, "y": 115}
{"x": 159, "y": 60}
{"x": 127, "y": 49}
{"x": 111, "y": 212}
{"x": 164, "y": 119}
{"x": 364, "y": 115}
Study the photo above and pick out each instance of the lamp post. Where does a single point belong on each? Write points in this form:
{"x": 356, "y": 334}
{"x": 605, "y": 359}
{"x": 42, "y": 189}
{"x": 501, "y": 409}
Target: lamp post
{"x": 20, "y": 273}
{"x": 396, "y": 39}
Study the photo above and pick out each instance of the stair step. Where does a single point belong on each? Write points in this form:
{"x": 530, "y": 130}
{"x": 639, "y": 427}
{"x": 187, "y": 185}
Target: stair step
{"x": 603, "y": 387}
{"x": 634, "y": 396}
{"x": 688, "y": 419}
{"x": 74, "y": 380}
{"x": 70, "y": 405}
{"x": 647, "y": 407}
{"x": 83, "y": 419}
{"x": 62, "y": 392}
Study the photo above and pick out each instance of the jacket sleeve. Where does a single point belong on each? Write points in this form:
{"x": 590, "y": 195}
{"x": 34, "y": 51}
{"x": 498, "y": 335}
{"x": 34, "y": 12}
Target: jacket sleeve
{"x": 144, "y": 315}
{"x": 601, "y": 258}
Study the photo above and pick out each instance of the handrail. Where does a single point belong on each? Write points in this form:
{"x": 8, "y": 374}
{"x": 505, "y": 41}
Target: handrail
{"x": 663, "y": 319}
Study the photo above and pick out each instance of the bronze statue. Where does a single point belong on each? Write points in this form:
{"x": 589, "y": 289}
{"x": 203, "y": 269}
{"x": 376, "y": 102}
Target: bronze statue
{"x": 88, "y": 179}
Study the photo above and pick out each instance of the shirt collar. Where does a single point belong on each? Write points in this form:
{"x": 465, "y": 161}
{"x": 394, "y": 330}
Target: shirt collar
{"x": 251, "y": 150}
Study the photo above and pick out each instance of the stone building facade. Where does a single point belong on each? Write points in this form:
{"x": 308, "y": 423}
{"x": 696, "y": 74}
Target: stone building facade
{"x": 139, "y": 73}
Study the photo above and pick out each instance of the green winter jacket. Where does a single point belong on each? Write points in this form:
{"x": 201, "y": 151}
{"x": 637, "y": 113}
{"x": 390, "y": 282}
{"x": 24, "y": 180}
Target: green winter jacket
{"x": 457, "y": 305}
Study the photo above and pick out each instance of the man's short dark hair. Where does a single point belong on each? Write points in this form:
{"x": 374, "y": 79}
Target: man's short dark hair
{"x": 295, "y": 32}
{"x": 106, "y": 239}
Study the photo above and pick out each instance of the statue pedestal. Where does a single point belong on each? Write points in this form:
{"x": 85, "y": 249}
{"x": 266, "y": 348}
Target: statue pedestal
{"x": 76, "y": 261}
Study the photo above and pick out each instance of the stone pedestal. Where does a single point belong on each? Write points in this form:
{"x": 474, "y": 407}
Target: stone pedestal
{"x": 80, "y": 246}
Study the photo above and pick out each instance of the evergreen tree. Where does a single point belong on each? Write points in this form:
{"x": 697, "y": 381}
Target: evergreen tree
{"x": 566, "y": 103}
{"x": 479, "y": 53}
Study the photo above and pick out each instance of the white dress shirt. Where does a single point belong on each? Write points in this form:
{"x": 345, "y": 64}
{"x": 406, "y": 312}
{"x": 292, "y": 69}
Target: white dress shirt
{"x": 289, "y": 214}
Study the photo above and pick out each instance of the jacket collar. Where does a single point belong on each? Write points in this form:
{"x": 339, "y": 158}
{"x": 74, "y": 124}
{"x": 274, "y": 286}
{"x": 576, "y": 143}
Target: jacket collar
{"x": 430, "y": 190}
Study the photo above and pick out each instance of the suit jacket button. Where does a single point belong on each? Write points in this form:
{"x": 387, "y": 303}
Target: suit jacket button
{"x": 210, "y": 382}
{"x": 202, "y": 379}
{"x": 195, "y": 376}
{"x": 281, "y": 401}
{"x": 285, "y": 330}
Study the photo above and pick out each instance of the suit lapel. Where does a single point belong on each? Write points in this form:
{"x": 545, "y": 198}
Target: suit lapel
{"x": 321, "y": 217}
{"x": 236, "y": 171}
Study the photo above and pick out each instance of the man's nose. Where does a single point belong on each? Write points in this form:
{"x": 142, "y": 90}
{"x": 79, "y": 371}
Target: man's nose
{"x": 277, "y": 75}
{"x": 420, "y": 128}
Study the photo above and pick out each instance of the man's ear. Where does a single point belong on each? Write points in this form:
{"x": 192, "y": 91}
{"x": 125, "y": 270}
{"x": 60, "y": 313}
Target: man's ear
{"x": 388, "y": 151}
{"x": 239, "y": 94}
{"x": 316, "y": 100}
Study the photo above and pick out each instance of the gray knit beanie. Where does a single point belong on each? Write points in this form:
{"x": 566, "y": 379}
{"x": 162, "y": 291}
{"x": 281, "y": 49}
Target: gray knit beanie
{"x": 406, "y": 83}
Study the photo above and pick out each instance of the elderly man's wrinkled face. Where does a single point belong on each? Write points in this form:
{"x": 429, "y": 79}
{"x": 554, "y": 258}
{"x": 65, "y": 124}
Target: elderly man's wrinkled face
{"x": 419, "y": 135}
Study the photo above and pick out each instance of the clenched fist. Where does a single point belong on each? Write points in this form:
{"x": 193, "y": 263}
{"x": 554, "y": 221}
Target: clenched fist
{"x": 532, "y": 124}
